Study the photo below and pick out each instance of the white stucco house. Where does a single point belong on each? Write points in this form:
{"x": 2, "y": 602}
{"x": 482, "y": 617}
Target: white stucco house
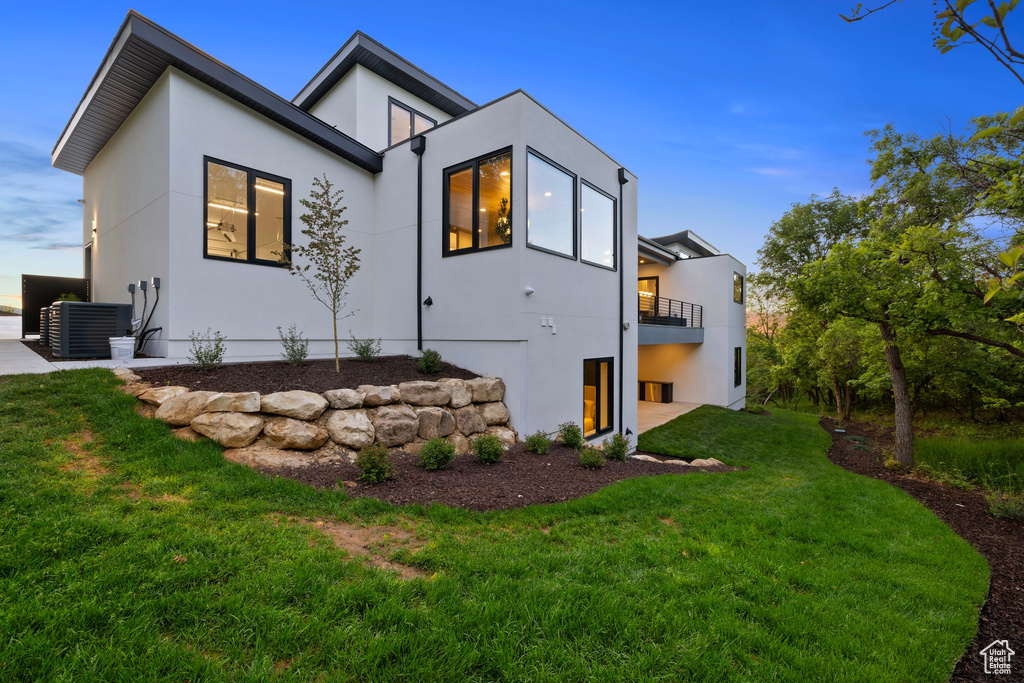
{"x": 495, "y": 234}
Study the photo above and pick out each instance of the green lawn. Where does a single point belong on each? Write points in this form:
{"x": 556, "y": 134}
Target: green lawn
{"x": 791, "y": 570}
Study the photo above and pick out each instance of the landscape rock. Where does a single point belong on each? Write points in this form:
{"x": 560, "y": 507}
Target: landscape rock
{"x": 503, "y": 434}
{"x": 243, "y": 402}
{"x": 421, "y": 393}
{"x": 231, "y": 430}
{"x": 461, "y": 443}
{"x": 344, "y": 399}
{"x": 415, "y": 446}
{"x": 494, "y": 413}
{"x": 487, "y": 389}
{"x": 187, "y": 434}
{"x": 705, "y": 462}
{"x": 647, "y": 458}
{"x": 379, "y": 396}
{"x": 181, "y": 410}
{"x": 157, "y": 396}
{"x": 351, "y": 428}
{"x": 284, "y": 432}
{"x": 469, "y": 421}
{"x": 434, "y": 422}
{"x": 126, "y": 375}
{"x": 302, "y": 405}
{"x": 462, "y": 395}
{"x": 135, "y": 389}
{"x": 395, "y": 425}
{"x": 260, "y": 455}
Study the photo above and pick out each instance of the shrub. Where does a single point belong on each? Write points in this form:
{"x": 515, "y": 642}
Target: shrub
{"x": 4, "y": 308}
{"x": 430, "y": 362}
{"x": 591, "y": 458}
{"x": 488, "y": 448}
{"x": 69, "y": 297}
{"x": 207, "y": 350}
{"x": 366, "y": 350}
{"x": 436, "y": 454}
{"x": 950, "y": 477}
{"x": 296, "y": 348}
{"x": 617, "y": 447}
{"x": 570, "y": 434}
{"x": 1005, "y": 505}
{"x": 374, "y": 466}
{"x": 538, "y": 442}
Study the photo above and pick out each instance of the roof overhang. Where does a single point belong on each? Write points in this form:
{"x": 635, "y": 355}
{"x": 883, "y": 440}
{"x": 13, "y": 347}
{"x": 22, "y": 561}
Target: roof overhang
{"x": 139, "y": 55}
{"x": 363, "y": 50}
{"x": 651, "y": 250}
{"x": 690, "y": 240}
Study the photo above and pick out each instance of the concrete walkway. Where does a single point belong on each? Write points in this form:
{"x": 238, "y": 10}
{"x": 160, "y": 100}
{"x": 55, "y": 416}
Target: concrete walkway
{"x": 651, "y": 415}
{"x": 15, "y": 357}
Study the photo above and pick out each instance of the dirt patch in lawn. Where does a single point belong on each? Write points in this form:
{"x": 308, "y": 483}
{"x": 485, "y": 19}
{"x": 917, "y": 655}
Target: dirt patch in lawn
{"x": 83, "y": 461}
{"x": 1000, "y": 541}
{"x": 521, "y": 478}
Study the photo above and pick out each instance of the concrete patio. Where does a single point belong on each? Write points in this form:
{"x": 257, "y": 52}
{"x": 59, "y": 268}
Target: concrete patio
{"x": 651, "y": 415}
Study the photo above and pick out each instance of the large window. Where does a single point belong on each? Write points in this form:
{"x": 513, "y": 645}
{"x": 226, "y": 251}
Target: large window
{"x": 597, "y": 227}
{"x": 737, "y": 366}
{"x": 478, "y": 204}
{"x": 248, "y": 214}
{"x": 550, "y": 206}
{"x": 737, "y": 288}
{"x": 597, "y": 396}
{"x": 404, "y": 122}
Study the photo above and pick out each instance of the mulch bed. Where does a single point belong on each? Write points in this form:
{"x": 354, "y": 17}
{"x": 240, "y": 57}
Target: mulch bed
{"x": 317, "y": 376}
{"x": 520, "y": 479}
{"x": 1000, "y": 541}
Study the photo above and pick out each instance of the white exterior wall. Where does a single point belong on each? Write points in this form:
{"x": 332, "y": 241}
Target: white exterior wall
{"x": 701, "y": 373}
{"x": 125, "y": 192}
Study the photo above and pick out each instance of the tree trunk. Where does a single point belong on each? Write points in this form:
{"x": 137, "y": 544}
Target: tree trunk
{"x": 839, "y": 399}
{"x": 904, "y": 450}
{"x": 848, "y": 404}
{"x": 337, "y": 365}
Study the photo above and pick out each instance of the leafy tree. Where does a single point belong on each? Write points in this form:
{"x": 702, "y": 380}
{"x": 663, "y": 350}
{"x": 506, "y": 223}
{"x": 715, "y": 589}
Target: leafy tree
{"x": 329, "y": 264}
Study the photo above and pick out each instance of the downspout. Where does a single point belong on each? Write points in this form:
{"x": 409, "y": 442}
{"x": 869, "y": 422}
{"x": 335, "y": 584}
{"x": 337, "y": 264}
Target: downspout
{"x": 418, "y": 146}
{"x": 622, "y": 315}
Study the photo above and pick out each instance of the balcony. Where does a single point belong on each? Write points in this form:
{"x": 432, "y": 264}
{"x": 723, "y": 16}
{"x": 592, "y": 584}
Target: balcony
{"x": 668, "y": 321}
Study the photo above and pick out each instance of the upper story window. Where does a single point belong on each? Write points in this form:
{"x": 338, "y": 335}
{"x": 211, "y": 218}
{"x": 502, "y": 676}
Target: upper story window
{"x": 248, "y": 213}
{"x": 477, "y": 204}
{"x": 597, "y": 227}
{"x": 405, "y": 122}
{"x": 737, "y": 288}
{"x": 550, "y": 206}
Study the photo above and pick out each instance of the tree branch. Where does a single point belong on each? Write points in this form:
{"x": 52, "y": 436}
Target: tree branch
{"x": 981, "y": 340}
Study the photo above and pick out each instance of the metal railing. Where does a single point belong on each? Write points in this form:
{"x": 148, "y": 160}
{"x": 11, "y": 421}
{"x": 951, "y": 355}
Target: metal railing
{"x": 659, "y": 310}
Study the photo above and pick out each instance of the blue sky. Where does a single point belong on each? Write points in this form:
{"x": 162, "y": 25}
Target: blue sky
{"x": 728, "y": 113}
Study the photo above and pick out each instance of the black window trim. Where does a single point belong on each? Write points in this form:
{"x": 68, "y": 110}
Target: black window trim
{"x": 474, "y": 164}
{"x": 412, "y": 121}
{"x": 737, "y": 366}
{"x": 743, "y": 288}
{"x": 250, "y": 227}
{"x": 615, "y": 226}
{"x": 657, "y": 283}
{"x": 611, "y": 396}
{"x": 575, "y": 206}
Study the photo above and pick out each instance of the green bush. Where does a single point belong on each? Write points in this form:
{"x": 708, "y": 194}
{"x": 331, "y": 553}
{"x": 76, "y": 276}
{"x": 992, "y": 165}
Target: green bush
{"x": 591, "y": 458}
{"x": 488, "y": 448}
{"x": 366, "y": 350}
{"x": 1006, "y": 505}
{"x": 430, "y": 362}
{"x": 538, "y": 442}
{"x": 296, "y": 347}
{"x": 570, "y": 434}
{"x": 69, "y": 297}
{"x": 207, "y": 350}
{"x": 436, "y": 454}
{"x": 617, "y": 447}
{"x": 374, "y": 465}
{"x": 949, "y": 476}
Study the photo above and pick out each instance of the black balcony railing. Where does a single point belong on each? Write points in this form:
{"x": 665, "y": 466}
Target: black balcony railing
{"x": 658, "y": 310}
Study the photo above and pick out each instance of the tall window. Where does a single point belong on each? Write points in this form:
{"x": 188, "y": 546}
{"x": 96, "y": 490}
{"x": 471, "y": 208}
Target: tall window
{"x": 597, "y": 396}
{"x": 737, "y": 288}
{"x": 737, "y": 366}
{"x": 597, "y": 227}
{"x": 550, "y": 206}
{"x": 478, "y": 204}
{"x": 405, "y": 122}
{"x": 248, "y": 213}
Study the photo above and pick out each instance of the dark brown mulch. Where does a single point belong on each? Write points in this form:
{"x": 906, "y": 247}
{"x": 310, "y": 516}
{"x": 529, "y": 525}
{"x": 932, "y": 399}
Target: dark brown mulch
{"x": 1000, "y": 541}
{"x": 520, "y": 479}
{"x": 317, "y": 376}
{"x": 47, "y": 353}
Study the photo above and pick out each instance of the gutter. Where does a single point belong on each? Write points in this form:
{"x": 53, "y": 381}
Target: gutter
{"x": 418, "y": 145}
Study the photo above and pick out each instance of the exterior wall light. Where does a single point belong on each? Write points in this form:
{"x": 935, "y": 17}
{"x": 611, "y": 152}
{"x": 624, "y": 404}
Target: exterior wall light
{"x": 529, "y": 291}
{"x": 428, "y": 301}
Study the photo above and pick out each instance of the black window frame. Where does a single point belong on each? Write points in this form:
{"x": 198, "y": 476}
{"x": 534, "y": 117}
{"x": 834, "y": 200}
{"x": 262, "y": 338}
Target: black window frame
{"x": 611, "y": 397}
{"x": 474, "y": 164}
{"x": 413, "y": 113}
{"x": 737, "y": 366}
{"x": 575, "y": 206}
{"x": 615, "y": 226}
{"x": 250, "y": 228}
{"x": 743, "y": 288}
{"x": 657, "y": 283}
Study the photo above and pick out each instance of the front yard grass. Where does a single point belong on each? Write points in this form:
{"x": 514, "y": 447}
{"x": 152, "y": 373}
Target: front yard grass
{"x": 126, "y": 554}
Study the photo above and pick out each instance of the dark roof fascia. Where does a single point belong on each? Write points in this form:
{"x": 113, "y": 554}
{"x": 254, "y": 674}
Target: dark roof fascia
{"x": 140, "y": 53}
{"x": 686, "y": 238}
{"x": 652, "y": 250}
{"x": 363, "y": 50}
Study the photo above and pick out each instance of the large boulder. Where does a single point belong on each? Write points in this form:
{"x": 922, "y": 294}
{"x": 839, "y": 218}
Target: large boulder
{"x": 135, "y": 389}
{"x": 302, "y": 405}
{"x": 351, "y": 428}
{"x": 260, "y": 455}
{"x": 494, "y": 413}
{"x": 284, "y": 432}
{"x": 157, "y": 396}
{"x": 487, "y": 389}
{"x": 462, "y": 395}
{"x": 461, "y": 443}
{"x": 344, "y": 399}
{"x": 434, "y": 422}
{"x": 503, "y": 434}
{"x": 422, "y": 393}
{"x": 181, "y": 410}
{"x": 469, "y": 420}
{"x": 379, "y": 396}
{"x": 395, "y": 425}
{"x": 244, "y": 402}
{"x": 232, "y": 430}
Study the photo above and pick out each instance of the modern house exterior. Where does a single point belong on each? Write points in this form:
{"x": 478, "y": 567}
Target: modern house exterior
{"x": 495, "y": 234}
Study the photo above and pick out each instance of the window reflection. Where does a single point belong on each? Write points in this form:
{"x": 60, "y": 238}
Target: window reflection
{"x": 460, "y": 210}
{"x": 550, "y": 198}
{"x": 227, "y": 214}
{"x": 597, "y": 227}
{"x": 406, "y": 122}
{"x": 269, "y": 219}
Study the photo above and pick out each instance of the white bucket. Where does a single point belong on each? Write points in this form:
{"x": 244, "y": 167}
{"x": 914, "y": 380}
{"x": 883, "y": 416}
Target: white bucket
{"x": 122, "y": 348}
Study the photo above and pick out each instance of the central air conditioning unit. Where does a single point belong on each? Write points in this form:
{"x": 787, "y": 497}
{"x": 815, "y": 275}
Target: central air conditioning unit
{"x": 80, "y": 329}
{"x": 44, "y": 325}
